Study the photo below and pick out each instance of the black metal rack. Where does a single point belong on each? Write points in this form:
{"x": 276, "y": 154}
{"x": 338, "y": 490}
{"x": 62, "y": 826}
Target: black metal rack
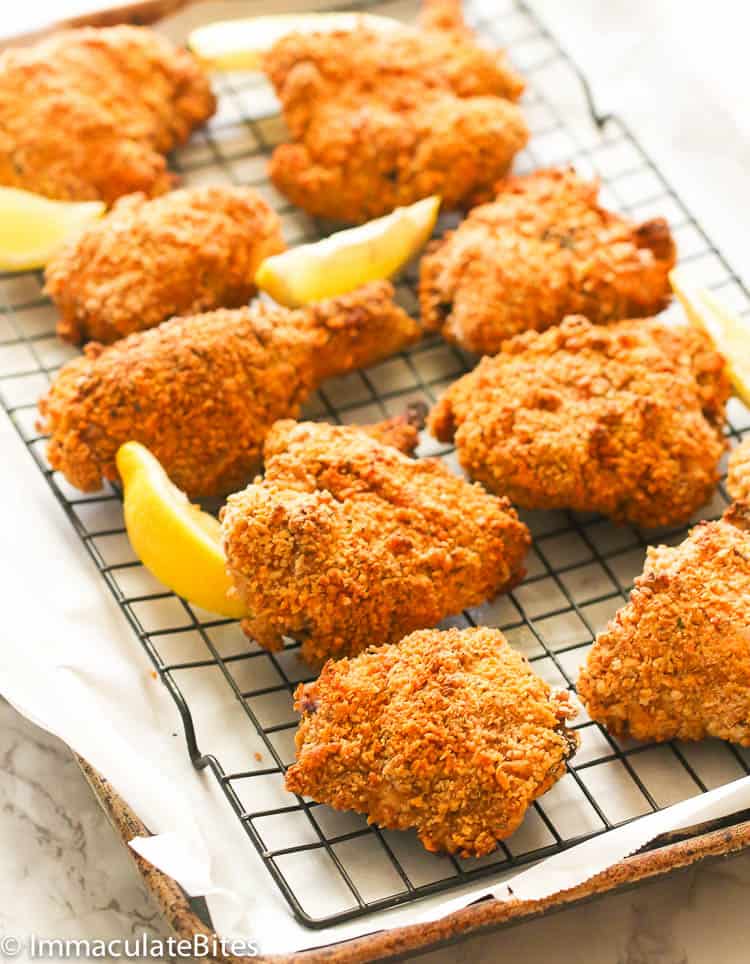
{"x": 580, "y": 568}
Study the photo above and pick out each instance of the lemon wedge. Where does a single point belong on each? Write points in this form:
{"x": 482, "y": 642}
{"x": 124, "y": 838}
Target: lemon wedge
{"x": 32, "y": 227}
{"x": 348, "y": 259}
{"x": 240, "y": 44}
{"x": 176, "y": 541}
{"x": 730, "y": 332}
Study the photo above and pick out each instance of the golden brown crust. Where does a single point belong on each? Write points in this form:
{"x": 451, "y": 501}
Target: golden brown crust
{"x": 543, "y": 249}
{"x": 443, "y": 15}
{"x": 147, "y": 260}
{"x": 90, "y": 113}
{"x": 448, "y": 732}
{"x": 738, "y": 478}
{"x": 399, "y": 432}
{"x": 381, "y": 120}
{"x": 626, "y": 420}
{"x": 345, "y": 542}
{"x": 201, "y": 392}
{"x": 675, "y": 661}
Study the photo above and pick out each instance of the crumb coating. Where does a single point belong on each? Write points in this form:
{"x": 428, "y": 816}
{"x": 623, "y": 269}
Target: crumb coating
{"x": 380, "y": 120}
{"x": 451, "y": 733}
{"x": 148, "y": 260}
{"x": 88, "y": 114}
{"x": 346, "y": 542}
{"x": 626, "y": 420}
{"x": 543, "y": 249}
{"x": 738, "y": 477}
{"x": 674, "y": 663}
{"x": 201, "y": 392}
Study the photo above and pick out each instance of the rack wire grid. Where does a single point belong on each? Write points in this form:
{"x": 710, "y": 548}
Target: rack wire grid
{"x": 330, "y": 866}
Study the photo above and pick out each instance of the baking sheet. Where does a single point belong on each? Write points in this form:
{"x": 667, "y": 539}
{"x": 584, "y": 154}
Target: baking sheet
{"x": 74, "y": 659}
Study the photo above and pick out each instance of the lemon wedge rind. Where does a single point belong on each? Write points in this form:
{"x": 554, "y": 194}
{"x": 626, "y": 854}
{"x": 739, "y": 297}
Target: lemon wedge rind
{"x": 345, "y": 260}
{"x": 175, "y": 540}
{"x": 729, "y": 331}
{"x": 33, "y": 227}
{"x": 240, "y": 44}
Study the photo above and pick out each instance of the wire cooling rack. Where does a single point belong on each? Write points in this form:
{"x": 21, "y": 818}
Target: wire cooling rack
{"x": 329, "y": 866}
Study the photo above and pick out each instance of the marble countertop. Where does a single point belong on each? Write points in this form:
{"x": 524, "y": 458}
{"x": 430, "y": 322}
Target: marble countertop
{"x": 680, "y": 76}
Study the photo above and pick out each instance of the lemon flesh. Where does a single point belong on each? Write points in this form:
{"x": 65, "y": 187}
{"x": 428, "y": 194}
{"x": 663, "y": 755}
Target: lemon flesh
{"x": 348, "y": 259}
{"x": 33, "y": 227}
{"x": 240, "y": 44}
{"x": 729, "y": 331}
{"x": 176, "y": 541}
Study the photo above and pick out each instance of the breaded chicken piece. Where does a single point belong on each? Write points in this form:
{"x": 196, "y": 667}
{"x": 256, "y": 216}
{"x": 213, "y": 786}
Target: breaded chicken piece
{"x": 674, "y": 663}
{"x": 380, "y": 120}
{"x": 345, "y": 542}
{"x": 400, "y": 431}
{"x": 147, "y": 260}
{"x": 451, "y": 733}
{"x": 202, "y": 392}
{"x": 90, "y": 113}
{"x": 738, "y": 479}
{"x": 625, "y": 420}
{"x": 543, "y": 249}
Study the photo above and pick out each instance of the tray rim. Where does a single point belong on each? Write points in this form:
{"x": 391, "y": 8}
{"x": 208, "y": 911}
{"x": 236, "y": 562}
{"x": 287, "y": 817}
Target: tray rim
{"x": 394, "y": 943}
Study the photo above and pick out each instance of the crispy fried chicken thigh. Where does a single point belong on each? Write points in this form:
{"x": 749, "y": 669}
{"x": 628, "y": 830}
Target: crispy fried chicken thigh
{"x": 345, "y": 542}
{"x": 90, "y": 113}
{"x": 382, "y": 119}
{"x": 625, "y": 420}
{"x": 147, "y": 260}
{"x": 450, "y": 732}
{"x": 543, "y": 249}
{"x": 202, "y": 392}
{"x": 738, "y": 479}
{"x": 674, "y": 663}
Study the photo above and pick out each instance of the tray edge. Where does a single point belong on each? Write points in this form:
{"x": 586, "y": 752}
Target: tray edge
{"x": 388, "y": 944}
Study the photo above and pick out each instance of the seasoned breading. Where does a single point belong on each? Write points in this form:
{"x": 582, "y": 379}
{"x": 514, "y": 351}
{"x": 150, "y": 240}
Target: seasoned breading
{"x": 90, "y": 113}
{"x": 399, "y": 431}
{"x": 380, "y": 120}
{"x": 451, "y": 733}
{"x": 738, "y": 479}
{"x": 674, "y": 663}
{"x": 543, "y": 249}
{"x": 345, "y": 542}
{"x": 147, "y": 260}
{"x": 201, "y": 392}
{"x": 626, "y": 420}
